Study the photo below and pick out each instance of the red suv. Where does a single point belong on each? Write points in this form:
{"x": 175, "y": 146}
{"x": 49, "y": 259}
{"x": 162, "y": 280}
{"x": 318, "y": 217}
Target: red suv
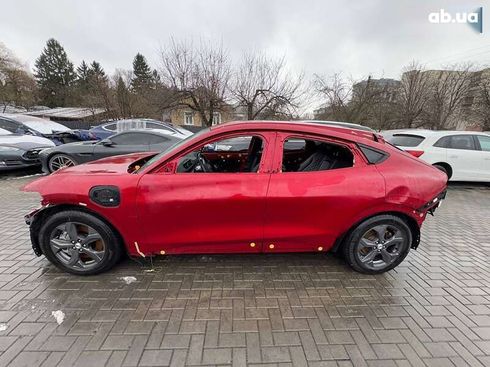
{"x": 250, "y": 187}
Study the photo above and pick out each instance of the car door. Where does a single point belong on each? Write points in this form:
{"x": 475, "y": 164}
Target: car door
{"x": 185, "y": 209}
{"x": 463, "y": 157}
{"x": 309, "y": 203}
{"x": 483, "y": 143}
{"x": 123, "y": 143}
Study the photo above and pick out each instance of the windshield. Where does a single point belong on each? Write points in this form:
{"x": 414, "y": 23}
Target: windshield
{"x": 406, "y": 140}
{"x": 173, "y": 148}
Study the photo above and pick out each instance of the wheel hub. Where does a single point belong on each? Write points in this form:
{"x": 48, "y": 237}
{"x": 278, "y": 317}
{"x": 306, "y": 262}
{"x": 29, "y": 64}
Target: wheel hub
{"x": 380, "y": 246}
{"x": 77, "y": 245}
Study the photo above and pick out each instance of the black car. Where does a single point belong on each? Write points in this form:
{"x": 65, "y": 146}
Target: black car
{"x": 132, "y": 141}
{"x": 15, "y": 157}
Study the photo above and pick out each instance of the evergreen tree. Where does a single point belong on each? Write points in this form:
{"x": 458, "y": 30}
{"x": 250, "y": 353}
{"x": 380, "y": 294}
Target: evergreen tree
{"x": 97, "y": 71}
{"x": 123, "y": 98}
{"x": 54, "y": 74}
{"x": 143, "y": 76}
{"x": 83, "y": 72}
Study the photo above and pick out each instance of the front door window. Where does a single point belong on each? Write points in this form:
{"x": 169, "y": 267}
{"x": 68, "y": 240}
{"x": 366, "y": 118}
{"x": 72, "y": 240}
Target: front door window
{"x": 240, "y": 154}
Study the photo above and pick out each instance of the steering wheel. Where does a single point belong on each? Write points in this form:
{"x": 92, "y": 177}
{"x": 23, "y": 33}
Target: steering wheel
{"x": 202, "y": 161}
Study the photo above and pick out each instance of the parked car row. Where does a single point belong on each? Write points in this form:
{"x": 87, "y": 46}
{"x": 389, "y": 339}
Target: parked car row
{"x": 461, "y": 155}
{"x": 131, "y": 141}
{"x": 23, "y": 138}
{"x": 27, "y": 141}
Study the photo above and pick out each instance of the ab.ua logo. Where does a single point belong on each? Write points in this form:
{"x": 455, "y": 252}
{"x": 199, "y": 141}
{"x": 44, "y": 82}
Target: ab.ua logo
{"x": 473, "y": 19}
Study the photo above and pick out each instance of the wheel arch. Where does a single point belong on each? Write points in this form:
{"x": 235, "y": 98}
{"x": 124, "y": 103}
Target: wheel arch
{"x": 447, "y": 166}
{"x": 412, "y": 224}
{"x": 42, "y": 215}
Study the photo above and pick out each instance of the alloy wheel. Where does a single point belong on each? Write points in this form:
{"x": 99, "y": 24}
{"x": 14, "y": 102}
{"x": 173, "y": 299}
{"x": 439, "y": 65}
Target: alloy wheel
{"x": 77, "y": 245}
{"x": 381, "y": 246}
{"x": 60, "y": 161}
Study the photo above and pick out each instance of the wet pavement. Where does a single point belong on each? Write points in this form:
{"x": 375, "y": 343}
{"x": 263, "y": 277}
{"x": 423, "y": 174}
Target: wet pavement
{"x": 291, "y": 309}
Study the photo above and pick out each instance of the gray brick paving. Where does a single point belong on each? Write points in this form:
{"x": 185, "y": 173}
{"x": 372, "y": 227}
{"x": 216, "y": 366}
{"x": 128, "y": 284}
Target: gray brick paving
{"x": 254, "y": 310}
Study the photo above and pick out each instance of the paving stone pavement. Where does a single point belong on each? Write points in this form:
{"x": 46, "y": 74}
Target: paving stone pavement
{"x": 291, "y": 309}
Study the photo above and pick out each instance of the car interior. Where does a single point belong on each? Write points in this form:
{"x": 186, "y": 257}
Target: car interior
{"x": 243, "y": 154}
{"x": 240, "y": 154}
{"x": 300, "y": 155}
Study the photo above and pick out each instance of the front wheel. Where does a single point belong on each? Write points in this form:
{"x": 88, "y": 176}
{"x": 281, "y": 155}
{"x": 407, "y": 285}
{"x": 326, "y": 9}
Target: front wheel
{"x": 378, "y": 244}
{"x": 79, "y": 243}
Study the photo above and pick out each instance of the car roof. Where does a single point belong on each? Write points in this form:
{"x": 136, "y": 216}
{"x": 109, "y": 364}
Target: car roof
{"x": 299, "y": 126}
{"x": 153, "y": 121}
{"x": 21, "y": 118}
{"x": 433, "y": 133}
{"x": 148, "y": 131}
{"x": 9, "y": 116}
{"x": 348, "y": 125}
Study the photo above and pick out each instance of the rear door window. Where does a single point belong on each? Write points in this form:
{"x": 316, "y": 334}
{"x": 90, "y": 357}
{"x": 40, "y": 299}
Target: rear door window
{"x": 308, "y": 155}
{"x": 157, "y": 139}
{"x": 464, "y": 142}
{"x": 484, "y": 142}
{"x": 131, "y": 139}
{"x": 406, "y": 140}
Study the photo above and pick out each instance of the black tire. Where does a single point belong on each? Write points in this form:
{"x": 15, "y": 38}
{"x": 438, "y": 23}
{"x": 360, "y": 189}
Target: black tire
{"x": 443, "y": 169}
{"x": 352, "y": 244}
{"x": 113, "y": 248}
{"x": 59, "y": 156}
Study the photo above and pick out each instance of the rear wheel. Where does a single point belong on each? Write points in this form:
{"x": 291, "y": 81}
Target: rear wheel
{"x": 79, "y": 243}
{"x": 58, "y": 161}
{"x": 378, "y": 244}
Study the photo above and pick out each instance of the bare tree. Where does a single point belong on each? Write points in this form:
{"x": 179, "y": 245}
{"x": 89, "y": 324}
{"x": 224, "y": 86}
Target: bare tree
{"x": 413, "y": 97}
{"x": 448, "y": 90}
{"x": 481, "y": 110}
{"x": 351, "y": 101}
{"x": 265, "y": 88}
{"x": 17, "y": 85}
{"x": 198, "y": 76}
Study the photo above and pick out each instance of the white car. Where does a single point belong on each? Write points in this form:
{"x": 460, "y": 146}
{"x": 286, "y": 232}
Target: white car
{"x": 463, "y": 155}
{"x": 19, "y": 140}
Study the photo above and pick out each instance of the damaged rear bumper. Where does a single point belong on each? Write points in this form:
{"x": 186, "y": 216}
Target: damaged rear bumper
{"x": 431, "y": 206}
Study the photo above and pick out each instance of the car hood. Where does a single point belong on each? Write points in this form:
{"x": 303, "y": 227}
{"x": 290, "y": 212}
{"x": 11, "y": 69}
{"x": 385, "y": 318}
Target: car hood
{"x": 111, "y": 165}
{"x": 25, "y": 141}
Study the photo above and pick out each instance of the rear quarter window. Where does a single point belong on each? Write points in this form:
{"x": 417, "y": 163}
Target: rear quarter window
{"x": 373, "y": 155}
{"x": 406, "y": 140}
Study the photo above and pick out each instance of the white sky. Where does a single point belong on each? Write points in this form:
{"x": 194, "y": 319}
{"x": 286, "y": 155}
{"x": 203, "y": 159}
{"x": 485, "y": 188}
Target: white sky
{"x": 357, "y": 38}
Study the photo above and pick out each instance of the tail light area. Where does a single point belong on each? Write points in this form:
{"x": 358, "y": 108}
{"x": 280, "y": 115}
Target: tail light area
{"x": 415, "y": 153}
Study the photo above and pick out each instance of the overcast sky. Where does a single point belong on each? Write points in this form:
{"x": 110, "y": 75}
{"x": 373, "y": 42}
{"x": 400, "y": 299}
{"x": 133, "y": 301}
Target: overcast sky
{"x": 357, "y": 38}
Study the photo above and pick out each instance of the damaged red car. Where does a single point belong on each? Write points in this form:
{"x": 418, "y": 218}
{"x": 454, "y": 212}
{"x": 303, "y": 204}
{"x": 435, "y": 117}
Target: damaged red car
{"x": 242, "y": 187}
